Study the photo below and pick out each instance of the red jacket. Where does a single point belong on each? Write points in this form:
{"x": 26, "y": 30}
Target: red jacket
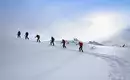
{"x": 80, "y": 44}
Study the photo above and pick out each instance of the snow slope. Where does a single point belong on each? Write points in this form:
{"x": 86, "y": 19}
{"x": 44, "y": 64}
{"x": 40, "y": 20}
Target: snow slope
{"x": 27, "y": 60}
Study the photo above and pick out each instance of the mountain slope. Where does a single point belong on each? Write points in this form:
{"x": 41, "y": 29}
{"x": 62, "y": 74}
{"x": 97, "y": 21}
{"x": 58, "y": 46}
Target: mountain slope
{"x": 27, "y": 60}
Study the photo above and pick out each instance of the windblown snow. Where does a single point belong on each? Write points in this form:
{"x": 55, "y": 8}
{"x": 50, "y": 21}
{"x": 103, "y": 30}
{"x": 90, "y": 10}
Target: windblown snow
{"x": 28, "y": 60}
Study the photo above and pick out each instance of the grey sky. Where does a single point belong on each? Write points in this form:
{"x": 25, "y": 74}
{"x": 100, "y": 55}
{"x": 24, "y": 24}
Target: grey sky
{"x": 58, "y": 18}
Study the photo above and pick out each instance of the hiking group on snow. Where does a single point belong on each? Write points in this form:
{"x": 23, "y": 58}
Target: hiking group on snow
{"x": 52, "y": 41}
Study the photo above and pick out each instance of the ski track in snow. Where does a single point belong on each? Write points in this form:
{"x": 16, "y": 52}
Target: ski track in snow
{"x": 120, "y": 68}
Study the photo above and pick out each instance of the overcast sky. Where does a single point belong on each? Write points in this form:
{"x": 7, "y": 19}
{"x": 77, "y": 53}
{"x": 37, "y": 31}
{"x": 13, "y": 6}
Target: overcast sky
{"x": 84, "y": 19}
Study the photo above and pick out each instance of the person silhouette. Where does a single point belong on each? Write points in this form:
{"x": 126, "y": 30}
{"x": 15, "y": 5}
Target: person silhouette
{"x": 63, "y": 43}
{"x": 38, "y": 38}
{"x": 26, "y": 35}
{"x": 52, "y": 41}
{"x": 19, "y": 34}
